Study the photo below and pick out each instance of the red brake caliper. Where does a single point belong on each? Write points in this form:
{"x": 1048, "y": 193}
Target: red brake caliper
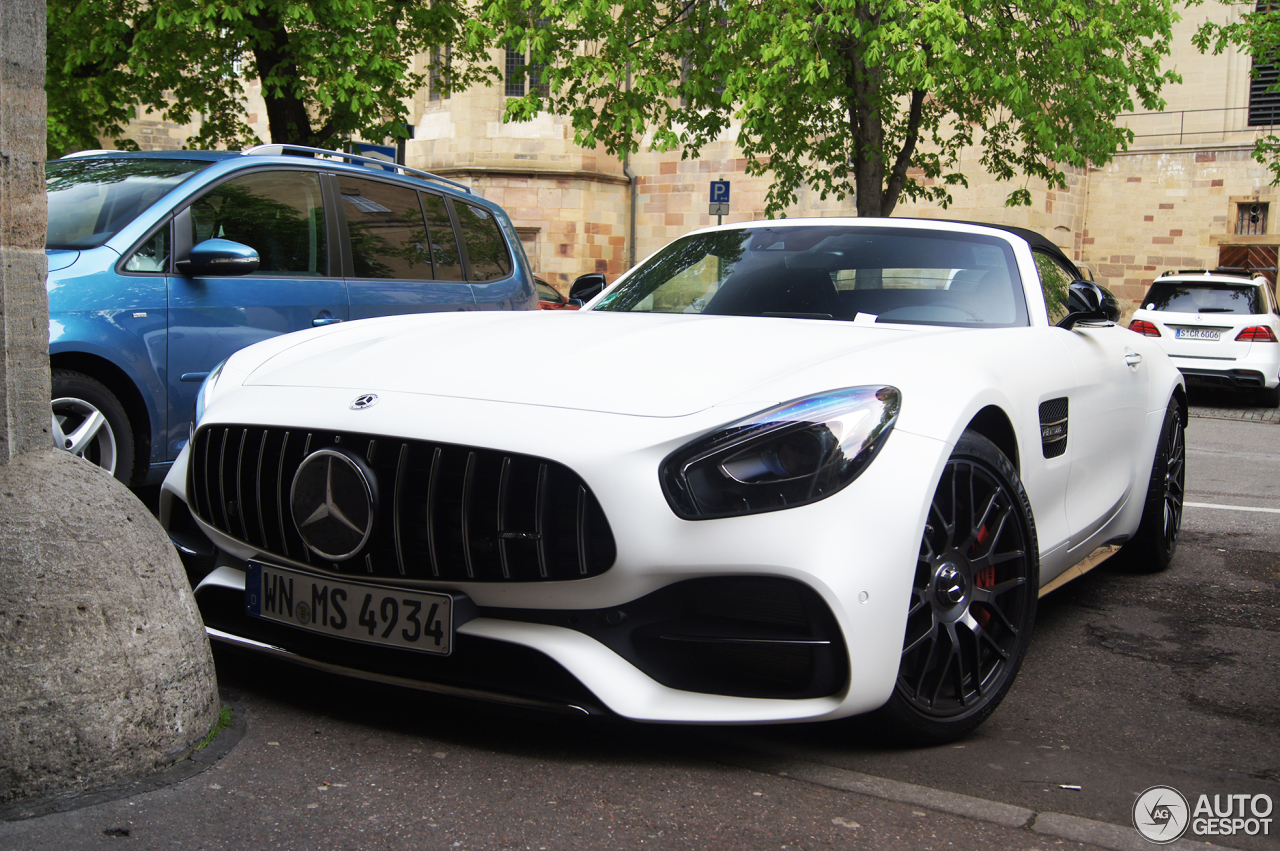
{"x": 984, "y": 578}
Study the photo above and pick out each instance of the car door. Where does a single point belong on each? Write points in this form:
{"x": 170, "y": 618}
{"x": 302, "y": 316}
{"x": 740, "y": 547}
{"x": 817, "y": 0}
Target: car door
{"x": 281, "y": 214}
{"x": 400, "y": 260}
{"x": 1103, "y": 413}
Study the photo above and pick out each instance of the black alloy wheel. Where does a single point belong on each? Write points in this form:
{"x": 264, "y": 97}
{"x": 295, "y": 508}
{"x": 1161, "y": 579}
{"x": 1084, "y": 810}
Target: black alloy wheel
{"x": 973, "y": 599}
{"x": 1152, "y": 547}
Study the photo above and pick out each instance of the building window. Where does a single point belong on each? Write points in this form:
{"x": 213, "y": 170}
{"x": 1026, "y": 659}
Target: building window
{"x": 1264, "y": 105}
{"x": 529, "y": 242}
{"x": 439, "y": 73}
{"x": 523, "y": 75}
{"x": 1251, "y": 218}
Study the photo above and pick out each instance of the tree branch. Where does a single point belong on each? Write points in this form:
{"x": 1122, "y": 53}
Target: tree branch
{"x": 898, "y": 176}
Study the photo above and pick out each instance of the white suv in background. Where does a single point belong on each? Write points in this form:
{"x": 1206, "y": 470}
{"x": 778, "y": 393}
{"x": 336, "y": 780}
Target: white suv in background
{"x": 1219, "y": 329}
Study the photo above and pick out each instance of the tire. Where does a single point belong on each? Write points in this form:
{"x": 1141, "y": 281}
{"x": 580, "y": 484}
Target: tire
{"x": 973, "y": 600}
{"x": 1152, "y": 547}
{"x": 90, "y": 422}
{"x": 1269, "y": 397}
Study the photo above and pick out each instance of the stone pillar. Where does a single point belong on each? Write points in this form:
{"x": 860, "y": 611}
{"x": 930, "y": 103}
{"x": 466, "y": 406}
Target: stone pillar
{"x": 105, "y": 671}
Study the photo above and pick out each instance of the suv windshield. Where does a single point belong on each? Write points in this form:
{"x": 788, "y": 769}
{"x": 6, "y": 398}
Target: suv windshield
{"x": 91, "y": 199}
{"x": 900, "y": 275}
{"x": 1198, "y": 297}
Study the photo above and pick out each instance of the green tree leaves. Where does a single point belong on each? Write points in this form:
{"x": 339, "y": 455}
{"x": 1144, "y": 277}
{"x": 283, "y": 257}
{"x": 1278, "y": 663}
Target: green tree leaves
{"x": 329, "y": 68}
{"x": 875, "y": 98}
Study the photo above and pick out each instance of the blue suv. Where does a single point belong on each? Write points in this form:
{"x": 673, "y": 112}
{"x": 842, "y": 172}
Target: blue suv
{"x": 161, "y": 264}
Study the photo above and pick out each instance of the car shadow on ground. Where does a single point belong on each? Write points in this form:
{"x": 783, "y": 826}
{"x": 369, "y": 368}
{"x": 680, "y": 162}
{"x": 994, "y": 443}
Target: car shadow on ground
{"x": 1231, "y": 398}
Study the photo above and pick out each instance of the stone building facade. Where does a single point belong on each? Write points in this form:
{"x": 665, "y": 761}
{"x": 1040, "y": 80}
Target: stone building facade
{"x": 1172, "y": 201}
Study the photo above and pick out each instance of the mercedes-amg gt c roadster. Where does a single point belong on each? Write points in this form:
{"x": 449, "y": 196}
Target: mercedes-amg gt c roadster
{"x": 788, "y": 470}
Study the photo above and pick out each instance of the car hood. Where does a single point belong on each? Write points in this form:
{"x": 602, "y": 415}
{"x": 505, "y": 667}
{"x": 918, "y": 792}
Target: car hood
{"x": 634, "y": 364}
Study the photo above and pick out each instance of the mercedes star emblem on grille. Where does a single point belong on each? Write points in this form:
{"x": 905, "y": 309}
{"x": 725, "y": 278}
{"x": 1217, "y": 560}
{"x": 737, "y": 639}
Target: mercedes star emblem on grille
{"x": 332, "y": 504}
{"x": 367, "y": 400}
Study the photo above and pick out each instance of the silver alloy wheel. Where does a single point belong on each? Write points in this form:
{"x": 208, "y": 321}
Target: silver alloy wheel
{"x": 83, "y": 430}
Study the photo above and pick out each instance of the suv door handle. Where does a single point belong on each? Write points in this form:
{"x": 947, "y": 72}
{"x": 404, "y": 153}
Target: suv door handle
{"x": 1132, "y": 358}
{"x": 325, "y": 318}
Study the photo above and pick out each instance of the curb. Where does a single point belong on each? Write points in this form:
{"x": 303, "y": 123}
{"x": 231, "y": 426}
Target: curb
{"x": 1049, "y": 824}
{"x": 1249, "y": 415}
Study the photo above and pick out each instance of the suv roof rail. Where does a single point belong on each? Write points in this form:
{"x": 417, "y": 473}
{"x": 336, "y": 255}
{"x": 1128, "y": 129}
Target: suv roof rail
{"x": 280, "y": 150}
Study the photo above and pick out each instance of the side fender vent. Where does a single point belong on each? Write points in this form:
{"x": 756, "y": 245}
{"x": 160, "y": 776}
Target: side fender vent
{"x": 1053, "y": 427}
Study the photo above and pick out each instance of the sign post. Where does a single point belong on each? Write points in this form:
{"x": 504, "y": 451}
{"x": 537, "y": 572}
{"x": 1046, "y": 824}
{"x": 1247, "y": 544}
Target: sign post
{"x": 719, "y": 200}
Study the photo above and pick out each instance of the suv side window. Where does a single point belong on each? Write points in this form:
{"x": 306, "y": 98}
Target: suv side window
{"x": 388, "y": 234}
{"x": 152, "y": 255}
{"x": 279, "y": 214}
{"x": 1055, "y": 282}
{"x": 444, "y": 245}
{"x": 486, "y": 249}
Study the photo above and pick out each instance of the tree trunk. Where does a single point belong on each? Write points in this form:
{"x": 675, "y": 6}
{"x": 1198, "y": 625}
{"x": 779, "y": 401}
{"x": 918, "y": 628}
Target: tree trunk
{"x": 866, "y": 126}
{"x": 876, "y": 196}
{"x": 287, "y": 115}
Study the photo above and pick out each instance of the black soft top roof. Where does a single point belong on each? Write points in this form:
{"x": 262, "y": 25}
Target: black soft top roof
{"x": 1037, "y": 241}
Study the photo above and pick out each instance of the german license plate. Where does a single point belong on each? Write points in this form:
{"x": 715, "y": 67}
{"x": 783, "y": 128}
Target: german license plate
{"x": 1196, "y": 334}
{"x": 374, "y": 614}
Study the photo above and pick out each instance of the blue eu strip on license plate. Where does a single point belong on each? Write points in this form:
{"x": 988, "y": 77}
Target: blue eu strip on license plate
{"x": 356, "y": 611}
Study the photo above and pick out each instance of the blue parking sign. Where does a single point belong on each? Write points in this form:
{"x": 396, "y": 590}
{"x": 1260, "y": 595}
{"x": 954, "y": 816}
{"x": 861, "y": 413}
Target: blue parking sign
{"x": 719, "y": 192}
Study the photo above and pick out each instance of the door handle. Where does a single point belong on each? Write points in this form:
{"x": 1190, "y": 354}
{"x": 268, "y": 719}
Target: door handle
{"x": 1132, "y": 358}
{"x": 325, "y": 318}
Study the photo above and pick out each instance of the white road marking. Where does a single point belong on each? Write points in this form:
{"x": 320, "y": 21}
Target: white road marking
{"x": 1230, "y": 507}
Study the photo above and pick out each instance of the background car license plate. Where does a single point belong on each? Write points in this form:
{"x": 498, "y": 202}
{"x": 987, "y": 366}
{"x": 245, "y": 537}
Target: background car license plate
{"x": 395, "y": 617}
{"x": 1196, "y": 334}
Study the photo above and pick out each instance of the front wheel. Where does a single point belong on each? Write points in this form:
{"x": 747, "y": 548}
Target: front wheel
{"x": 973, "y": 600}
{"x": 89, "y": 422}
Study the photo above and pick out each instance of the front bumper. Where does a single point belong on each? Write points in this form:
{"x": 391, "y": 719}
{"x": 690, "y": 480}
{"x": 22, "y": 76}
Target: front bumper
{"x": 848, "y": 559}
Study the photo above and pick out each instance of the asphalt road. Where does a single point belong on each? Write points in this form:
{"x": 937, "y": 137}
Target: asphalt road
{"x": 1131, "y": 681}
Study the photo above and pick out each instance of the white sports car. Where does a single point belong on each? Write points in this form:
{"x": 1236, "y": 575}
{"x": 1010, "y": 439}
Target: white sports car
{"x": 792, "y": 470}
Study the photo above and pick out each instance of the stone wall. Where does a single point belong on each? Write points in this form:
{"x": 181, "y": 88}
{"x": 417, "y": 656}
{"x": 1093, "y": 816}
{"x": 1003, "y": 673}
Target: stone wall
{"x": 1173, "y": 208}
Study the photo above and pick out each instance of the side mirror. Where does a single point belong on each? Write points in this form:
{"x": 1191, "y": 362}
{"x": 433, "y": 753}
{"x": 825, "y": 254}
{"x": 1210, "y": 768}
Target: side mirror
{"x": 220, "y": 257}
{"x": 1089, "y": 303}
{"x": 587, "y": 286}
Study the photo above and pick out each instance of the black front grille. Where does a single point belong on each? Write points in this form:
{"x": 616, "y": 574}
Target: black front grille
{"x": 441, "y": 511}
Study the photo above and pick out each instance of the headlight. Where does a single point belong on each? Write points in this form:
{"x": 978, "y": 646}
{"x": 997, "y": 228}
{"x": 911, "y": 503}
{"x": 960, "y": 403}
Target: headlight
{"x": 794, "y": 454}
{"x": 202, "y": 398}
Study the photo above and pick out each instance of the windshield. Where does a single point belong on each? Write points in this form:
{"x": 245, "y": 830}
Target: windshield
{"x": 901, "y": 275}
{"x": 1194, "y": 297}
{"x": 90, "y": 199}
